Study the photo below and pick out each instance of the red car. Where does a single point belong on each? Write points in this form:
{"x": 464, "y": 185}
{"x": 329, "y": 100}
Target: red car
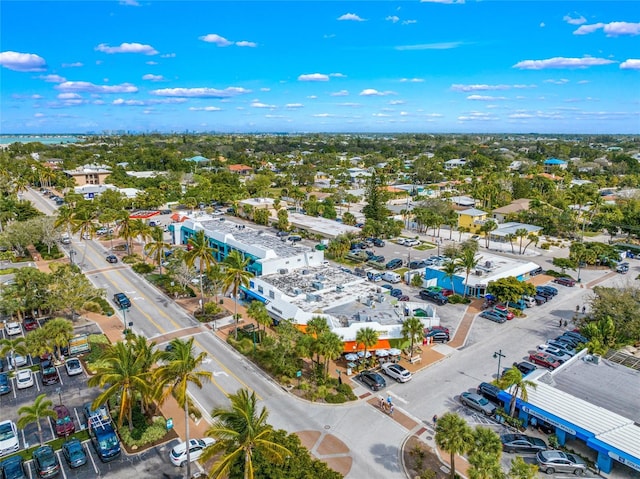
{"x": 446, "y": 292}
{"x": 545, "y": 360}
{"x": 504, "y": 311}
{"x": 64, "y": 422}
{"x": 30, "y": 324}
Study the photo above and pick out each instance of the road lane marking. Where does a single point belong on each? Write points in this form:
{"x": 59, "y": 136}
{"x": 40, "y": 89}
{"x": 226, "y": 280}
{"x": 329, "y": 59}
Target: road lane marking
{"x": 95, "y": 468}
{"x": 404, "y": 401}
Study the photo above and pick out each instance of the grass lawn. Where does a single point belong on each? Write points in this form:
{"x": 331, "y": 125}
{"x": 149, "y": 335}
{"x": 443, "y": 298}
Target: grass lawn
{"x": 425, "y": 246}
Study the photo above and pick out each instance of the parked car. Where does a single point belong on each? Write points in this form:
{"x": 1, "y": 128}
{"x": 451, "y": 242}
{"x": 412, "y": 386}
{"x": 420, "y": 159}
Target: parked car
{"x": 9, "y": 442}
{"x": 112, "y": 258}
{"x": 550, "y": 289}
{"x": 24, "y": 379}
{"x": 394, "y": 263}
{"x": 558, "y": 461}
{"x": 489, "y": 391}
{"x": 400, "y": 241}
{"x": 447, "y": 292}
{"x": 30, "y": 323}
{"x": 46, "y": 462}
{"x": 417, "y": 264}
{"x": 577, "y": 335}
{"x": 477, "y": 402}
{"x": 17, "y": 360}
{"x": 571, "y": 342}
{"x": 547, "y": 295}
{"x": 564, "y": 281}
{"x": 121, "y": 300}
{"x": 558, "y": 354}
{"x": 73, "y": 367}
{"x": 525, "y": 367}
{"x": 378, "y": 242}
{"x": 397, "y": 372}
{"x": 411, "y": 242}
{"x": 12, "y": 329}
{"x": 520, "y": 305}
{"x": 522, "y": 443}
{"x": 101, "y": 412}
{"x": 5, "y": 384}
{"x": 104, "y": 438}
{"x": 563, "y": 345}
{"x": 373, "y": 380}
{"x": 74, "y": 453}
{"x": 438, "y": 297}
{"x": 64, "y": 422}
{"x": 504, "y": 311}
{"x": 494, "y": 316}
{"x": 49, "y": 373}
{"x": 540, "y": 299}
{"x": 544, "y": 360}
{"x": 438, "y": 334}
{"x": 13, "y": 468}
{"x": 178, "y": 454}
{"x": 396, "y": 292}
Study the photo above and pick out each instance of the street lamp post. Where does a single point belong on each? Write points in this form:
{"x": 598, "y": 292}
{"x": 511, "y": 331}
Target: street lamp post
{"x": 498, "y": 355}
{"x": 128, "y": 325}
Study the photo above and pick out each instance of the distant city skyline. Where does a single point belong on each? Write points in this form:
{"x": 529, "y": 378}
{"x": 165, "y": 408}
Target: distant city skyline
{"x": 438, "y": 66}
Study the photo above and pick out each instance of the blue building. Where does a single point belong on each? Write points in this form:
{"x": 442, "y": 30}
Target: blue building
{"x": 591, "y": 400}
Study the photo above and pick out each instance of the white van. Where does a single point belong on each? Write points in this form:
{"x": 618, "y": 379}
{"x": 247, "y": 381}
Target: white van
{"x": 391, "y": 277}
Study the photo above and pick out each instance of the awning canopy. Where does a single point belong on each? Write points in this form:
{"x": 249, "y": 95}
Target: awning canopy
{"x": 352, "y": 346}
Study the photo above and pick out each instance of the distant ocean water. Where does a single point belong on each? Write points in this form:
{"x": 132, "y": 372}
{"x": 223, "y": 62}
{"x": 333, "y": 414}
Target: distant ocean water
{"x": 44, "y": 139}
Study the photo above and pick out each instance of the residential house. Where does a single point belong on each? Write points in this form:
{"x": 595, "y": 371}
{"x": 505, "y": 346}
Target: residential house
{"x": 89, "y": 174}
{"x": 454, "y": 163}
{"x": 554, "y": 163}
{"x": 472, "y": 218}
{"x": 240, "y": 169}
{"x": 515, "y": 207}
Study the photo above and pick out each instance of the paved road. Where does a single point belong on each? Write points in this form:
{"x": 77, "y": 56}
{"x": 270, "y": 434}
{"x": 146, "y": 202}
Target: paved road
{"x": 373, "y": 437}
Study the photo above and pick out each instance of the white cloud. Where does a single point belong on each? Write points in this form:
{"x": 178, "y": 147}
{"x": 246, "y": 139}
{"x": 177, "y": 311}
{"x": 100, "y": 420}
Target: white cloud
{"x": 350, "y": 104}
{"x": 485, "y": 98}
{"x": 152, "y": 77}
{"x": 168, "y": 55}
{"x": 265, "y": 89}
{"x": 561, "y": 81}
{"x": 38, "y": 115}
{"x": 87, "y": 87}
{"x": 579, "y": 20}
{"x": 630, "y": 64}
{"x": 429, "y": 46}
{"x": 396, "y": 102}
{"x": 121, "y": 101}
{"x": 68, "y": 96}
{"x": 127, "y": 48}
{"x": 409, "y": 22}
{"x": 312, "y": 97}
{"x": 257, "y": 104}
{"x": 73, "y": 65}
{"x": 612, "y": 29}
{"x": 478, "y": 87}
{"x": 313, "y": 77}
{"x": 129, "y": 3}
{"x": 412, "y": 80}
{"x": 52, "y": 78}
{"x": 477, "y": 116}
{"x": 245, "y": 43}
{"x": 351, "y": 17}
{"x": 204, "y": 108}
{"x": 542, "y": 25}
{"x": 374, "y": 92}
{"x": 22, "y": 62}
{"x": 217, "y": 39}
{"x": 201, "y": 92}
{"x": 393, "y": 18}
{"x": 294, "y": 105}
{"x": 151, "y": 62}
{"x": 337, "y": 75}
{"x": 561, "y": 62}
{"x": 340, "y": 93}
{"x": 381, "y": 115}
{"x": 323, "y": 115}
{"x": 37, "y": 97}
{"x": 584, "y": 82}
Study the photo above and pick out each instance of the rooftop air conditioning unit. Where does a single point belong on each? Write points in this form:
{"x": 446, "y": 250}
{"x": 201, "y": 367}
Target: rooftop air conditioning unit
{"x": 488, "y": 264}
{"x": 317, "y": 285}
{"x": 297, "y": 291}
{"x": 320, "y": 276}
{"x": 305, "y": 271}
{"x": 339, "y": 288}
{"x": 478, "y": 272}
{"x": 283, "y": 271}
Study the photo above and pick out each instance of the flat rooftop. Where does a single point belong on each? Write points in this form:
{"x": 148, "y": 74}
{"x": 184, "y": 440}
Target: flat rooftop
{"x": 321, "y": 226}
{"x": 249, "y": 236}
{"x": 492, "y": 267}
{"x": 326, "y": 289}
{"x": 609, "y": 385}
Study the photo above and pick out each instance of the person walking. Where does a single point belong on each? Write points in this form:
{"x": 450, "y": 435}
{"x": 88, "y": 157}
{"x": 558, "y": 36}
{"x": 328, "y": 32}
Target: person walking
{"x": 391, "y": 408}
{"x": 435, "y": 420}
{"x": 584, "y": 308}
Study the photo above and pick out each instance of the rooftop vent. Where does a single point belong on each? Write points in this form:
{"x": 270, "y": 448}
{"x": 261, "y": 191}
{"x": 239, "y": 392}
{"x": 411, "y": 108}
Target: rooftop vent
{"x": 283, "y": 271}
{"x": 317, "y": 285}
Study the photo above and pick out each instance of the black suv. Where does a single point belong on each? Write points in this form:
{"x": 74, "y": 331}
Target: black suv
{"x": 46, "y": 462}
{"x": 490, "y": 392}
{"x": 525, "y": 368}
{"x": 373, "y": 380}
{"x": 436, "y": 297}
{"x": 121, "y": 300}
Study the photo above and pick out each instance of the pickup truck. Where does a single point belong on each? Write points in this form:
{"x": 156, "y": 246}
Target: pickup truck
{"x": 519, "y": 305}
{"x": 358, "y": 256}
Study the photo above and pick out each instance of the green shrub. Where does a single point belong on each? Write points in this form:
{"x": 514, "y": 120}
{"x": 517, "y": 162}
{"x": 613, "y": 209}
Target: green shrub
{"x": 554, "y": 273}
{"x": 143, "y": 434}
{"x": 545, "y": 246}
{"x": 143, "y": 268}
{"x": 458, "y": 299}
{"x": 335, "y": 398}
{"x": 211, "y": 308}
{"x": 92, "y": 307}
{"x": 131, "y": 258}
{"x": 105, "y": 307}
{"x": 345, "y": 390}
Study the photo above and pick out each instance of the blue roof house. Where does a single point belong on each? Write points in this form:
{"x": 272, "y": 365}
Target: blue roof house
{"x": 554, "y": 163}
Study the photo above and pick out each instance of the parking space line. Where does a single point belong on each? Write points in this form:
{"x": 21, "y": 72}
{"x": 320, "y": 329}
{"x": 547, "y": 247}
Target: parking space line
{"x": 36, "y": 381}
{"x": 75, "y": 410}
{"x": 24, "y": 440}
{"x": 60, "y": 377}
{"x": 53, "y": 433}
{"x": 95, "y": 468}
{"x": 28, "y": 464}
{"x": 60, "y": 461}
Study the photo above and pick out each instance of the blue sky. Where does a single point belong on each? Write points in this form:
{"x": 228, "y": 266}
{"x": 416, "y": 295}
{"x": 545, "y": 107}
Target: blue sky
{"x": 330, "y": 66}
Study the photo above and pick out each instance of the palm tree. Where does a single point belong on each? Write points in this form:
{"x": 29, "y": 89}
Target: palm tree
{"x": 510, "y": 237}
{"x": 533, "y": 238}
{"x": 215, "y": 275}
{"x": 10, "y": 347}
{"x": 332, "y": 347}
{"x": 453, "y": 435}
{"x": 202, "y": 252}
{"x": 520, "y": 233}
{"x": 240, "y": 431}
{"x": 467, "y": 261}
{"x": 64, "y": 218}
{"x": 180, "y": 369}
{"x": 60, "y": 332}
{"x": 258, "y": 312}
{"x": 450, "y": 269}
{"x": 517, "y": 385}
{"x": 157, "y": 246}
{"x": 413, "y": 330}
{"x": 82, "y": 222}
{"x": 141, "y": 230}
{"x": 236, "y": 276}
{"x": 40, "y": 409}
{"x": 124, "y": 229}
{"x": 522, "y": 470}
{"x": 368, "y": 337}
{"x": 122, "y": 370}
{"x": 486, "y": 229}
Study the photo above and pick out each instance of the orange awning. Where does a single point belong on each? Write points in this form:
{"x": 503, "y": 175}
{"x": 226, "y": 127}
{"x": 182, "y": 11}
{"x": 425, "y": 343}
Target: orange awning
{"x": 352, "y": 346}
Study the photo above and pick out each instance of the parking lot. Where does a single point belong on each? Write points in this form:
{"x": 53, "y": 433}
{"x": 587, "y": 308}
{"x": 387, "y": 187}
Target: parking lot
{"x": 73, "y": 392}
